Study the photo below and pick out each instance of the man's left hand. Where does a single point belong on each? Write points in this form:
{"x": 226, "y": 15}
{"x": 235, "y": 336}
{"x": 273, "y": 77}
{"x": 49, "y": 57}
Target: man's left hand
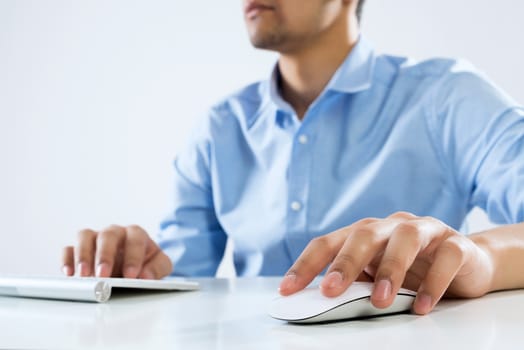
{"x": 402, "y": 250}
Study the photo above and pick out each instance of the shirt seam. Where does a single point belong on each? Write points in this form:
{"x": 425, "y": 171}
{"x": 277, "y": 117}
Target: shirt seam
{"x": 437, "y": 145}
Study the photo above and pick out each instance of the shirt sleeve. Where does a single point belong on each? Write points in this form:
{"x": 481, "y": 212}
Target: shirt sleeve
{"x": 482, "y": 138}
{"x": 191, "y": 234}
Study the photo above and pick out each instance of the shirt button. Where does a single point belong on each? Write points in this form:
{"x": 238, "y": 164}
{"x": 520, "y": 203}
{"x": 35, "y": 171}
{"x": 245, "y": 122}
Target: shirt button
{"x": 296, "y": 206}
{"x": 303, "y": 139}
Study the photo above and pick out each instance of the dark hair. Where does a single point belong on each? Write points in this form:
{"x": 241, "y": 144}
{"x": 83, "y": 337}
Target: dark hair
{"x": 359, "y": 9}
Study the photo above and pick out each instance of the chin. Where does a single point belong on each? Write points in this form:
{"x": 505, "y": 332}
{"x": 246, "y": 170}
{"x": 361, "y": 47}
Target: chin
{"x": 266, "y": 40}
{"x": 258, "y": 43}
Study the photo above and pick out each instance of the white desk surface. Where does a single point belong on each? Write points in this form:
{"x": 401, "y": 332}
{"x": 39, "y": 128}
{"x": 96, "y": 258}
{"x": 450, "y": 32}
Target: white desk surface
{"x": 231, "y": 314}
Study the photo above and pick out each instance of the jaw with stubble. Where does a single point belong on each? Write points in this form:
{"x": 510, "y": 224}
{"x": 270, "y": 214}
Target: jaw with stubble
{"x": 264, "y": 26}
{"x": 288, "y": 26}
{"x": 268, "y": 40}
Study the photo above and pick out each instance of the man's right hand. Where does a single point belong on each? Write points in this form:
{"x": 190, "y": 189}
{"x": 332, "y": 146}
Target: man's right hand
{"x": 116, "y": 252}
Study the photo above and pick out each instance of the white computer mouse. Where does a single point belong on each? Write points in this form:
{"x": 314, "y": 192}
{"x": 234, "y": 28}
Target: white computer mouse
{"x": 311, "y": 306}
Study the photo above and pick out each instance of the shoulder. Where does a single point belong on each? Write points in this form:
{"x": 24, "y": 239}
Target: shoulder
{"x": 428, "y": 70}
{"x": 448, "y": 76}
{"x": 241, "y": 107}
{"x": 445, "y": 80}
{"x": 232, "y": 115}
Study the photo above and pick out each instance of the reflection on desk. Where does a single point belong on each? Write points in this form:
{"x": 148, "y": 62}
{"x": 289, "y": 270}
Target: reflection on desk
{"x": 232, "y": 314}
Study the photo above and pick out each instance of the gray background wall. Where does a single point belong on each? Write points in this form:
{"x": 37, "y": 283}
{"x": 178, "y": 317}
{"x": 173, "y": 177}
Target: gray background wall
{"x": 96, "y": 97}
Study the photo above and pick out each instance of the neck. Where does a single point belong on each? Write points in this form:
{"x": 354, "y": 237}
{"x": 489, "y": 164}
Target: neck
{"x": 306, "y": 71}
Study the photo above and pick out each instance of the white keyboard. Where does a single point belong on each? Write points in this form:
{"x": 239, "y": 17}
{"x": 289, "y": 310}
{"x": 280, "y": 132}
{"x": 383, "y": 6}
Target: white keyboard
{"x": 83, "y": 288}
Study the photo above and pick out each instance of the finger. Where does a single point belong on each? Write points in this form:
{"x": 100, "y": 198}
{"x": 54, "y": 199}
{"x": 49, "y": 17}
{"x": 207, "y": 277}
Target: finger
{"x": 406, "y": 242}
{"x": 449, "y": 258}
{"x": 402, "y": 215}
{"x": 136, "y": 242}
{"x": 364, "y": 277}
{"x": 85, "y": 252}
{"x": 359, "y": 248}
{"x": 68, "y": 261}
{"x": 416, "y": 273}
{"x": 371, "y": 268}
{"x": 157, "y": 267}
{"x": 109, "y": 242}
{"x": 316, "y": 256}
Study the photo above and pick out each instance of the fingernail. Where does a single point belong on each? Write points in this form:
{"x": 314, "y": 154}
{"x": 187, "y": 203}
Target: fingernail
{"x": 67, "y": 270}
{"x": 423, "y": 303}
{"x": 147, "y": 275}
{"x": 131, "y": 272}
{"x": 102, "y": 270}
{"x": 332, "y": 280}
{"x": 83, "y": 269}
{"x": 288, "y": 281}
{"x": 382, "y": 290}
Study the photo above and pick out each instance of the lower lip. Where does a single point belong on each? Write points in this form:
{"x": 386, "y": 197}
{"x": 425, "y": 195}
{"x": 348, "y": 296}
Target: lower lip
{"x": 257, "y": 11}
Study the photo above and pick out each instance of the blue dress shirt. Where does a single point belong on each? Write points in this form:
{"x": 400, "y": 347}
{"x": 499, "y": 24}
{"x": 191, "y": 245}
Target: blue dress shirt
{"x": 387, "y": 134}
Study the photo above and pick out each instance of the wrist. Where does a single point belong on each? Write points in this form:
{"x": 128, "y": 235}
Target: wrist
{"x": 488, "y": 258}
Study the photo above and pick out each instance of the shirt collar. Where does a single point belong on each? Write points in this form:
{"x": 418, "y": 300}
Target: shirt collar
{"x": 354, "y": 75}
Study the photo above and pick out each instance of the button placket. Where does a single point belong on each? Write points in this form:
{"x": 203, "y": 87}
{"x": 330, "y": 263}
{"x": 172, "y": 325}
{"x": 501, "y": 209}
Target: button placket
{"x": 303, "y": 139}
{"x": 296, "y": 206}
{"x": 298, "y": 182}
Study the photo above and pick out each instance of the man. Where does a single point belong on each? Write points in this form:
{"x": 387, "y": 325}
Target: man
{"x": 399, "y": 151}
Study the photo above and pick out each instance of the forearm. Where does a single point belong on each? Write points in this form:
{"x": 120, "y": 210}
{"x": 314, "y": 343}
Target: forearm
{"x": 505, "y": 247}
